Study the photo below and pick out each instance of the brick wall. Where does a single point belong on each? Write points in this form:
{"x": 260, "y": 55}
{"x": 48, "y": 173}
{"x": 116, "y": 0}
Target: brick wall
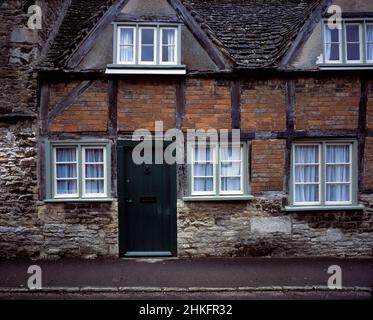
{"x": 267, "y": 165}
{"x": 331, "y": 103}
{"x": 263, "y": 105}
{"x": 208, "y": 104}
{"x": 88, "y": 113}
{"x": 368, "y": 164}
{"x": 141, "y": 102}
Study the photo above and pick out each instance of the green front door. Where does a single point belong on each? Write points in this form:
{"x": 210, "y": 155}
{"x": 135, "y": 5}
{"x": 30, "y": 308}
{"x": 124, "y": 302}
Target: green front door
{"x": 147, "y": 206}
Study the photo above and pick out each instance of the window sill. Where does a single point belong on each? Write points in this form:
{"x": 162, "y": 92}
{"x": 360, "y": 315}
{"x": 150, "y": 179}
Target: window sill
{"x": 346, "y": 66}
{"x": 78, "y": 200}
{"x": 324, "y": 208}
{"x": 218, "y": 198}
{"x": 145, "y": 69}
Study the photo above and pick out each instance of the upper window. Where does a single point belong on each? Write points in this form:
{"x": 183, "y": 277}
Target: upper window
{"x": 217, "y": 170}
{"x": 351, "y": 44}
{"x": 78, "y": 170}
{"x": 323, "y": 173}
{"x": 148, "y": 45}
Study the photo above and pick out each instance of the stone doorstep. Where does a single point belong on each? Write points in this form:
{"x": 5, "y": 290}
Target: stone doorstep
{"x": 103, "y": 290}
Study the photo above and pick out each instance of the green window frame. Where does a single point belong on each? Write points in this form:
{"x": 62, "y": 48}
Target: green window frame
{"x": 321, "y": 203}
{"x": 363, "y": 24}
{"x": 217, "y": 192}
{"x": 80, "y": 163}
{"x": 158, "y": 29}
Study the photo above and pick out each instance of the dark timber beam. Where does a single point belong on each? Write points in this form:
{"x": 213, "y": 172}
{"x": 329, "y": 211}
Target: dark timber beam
{"x": 43, "y": 97}
{"x": 236, "y": 104}
{"x": 69, "y": 100}
{"x": 362, "y": 128}
{"x": 180, "y": 102}
{"x": 113, "y": 130}
{"x": 290, "y": 103}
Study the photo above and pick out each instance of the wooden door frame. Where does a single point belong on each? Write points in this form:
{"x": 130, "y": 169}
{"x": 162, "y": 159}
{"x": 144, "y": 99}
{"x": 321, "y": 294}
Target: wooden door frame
{"x": 122, "y": 212}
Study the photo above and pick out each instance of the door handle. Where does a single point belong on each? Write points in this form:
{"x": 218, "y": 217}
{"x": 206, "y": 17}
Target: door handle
{"x": 128, "y": 200}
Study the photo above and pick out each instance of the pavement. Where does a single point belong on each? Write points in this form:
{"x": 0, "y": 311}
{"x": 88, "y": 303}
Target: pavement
{"x": 207, "y": 278}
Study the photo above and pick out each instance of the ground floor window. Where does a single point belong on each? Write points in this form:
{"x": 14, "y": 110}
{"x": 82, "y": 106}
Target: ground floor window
{"x": 217, "y": 169}
{"x": 78, "y": 170}
{"x": 324, "y": 173}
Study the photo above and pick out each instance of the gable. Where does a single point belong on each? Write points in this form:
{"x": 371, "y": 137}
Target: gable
{"x": 309, "y": 53}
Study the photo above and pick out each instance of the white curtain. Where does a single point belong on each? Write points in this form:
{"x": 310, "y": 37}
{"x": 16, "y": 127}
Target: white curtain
{"x": 370, "y": 42}
{"x": 94, "y": 170}
{"x": 126, "y": 45}
{"x": 230, "y": 168}
{"x": 66, "y": 171}
{"x": 338, "y": 173}
{"x": 328, "y": 45}
{"x": 203, "y": 169}
{"x": 306, "y": 176}
{"x": 169, "y": 45}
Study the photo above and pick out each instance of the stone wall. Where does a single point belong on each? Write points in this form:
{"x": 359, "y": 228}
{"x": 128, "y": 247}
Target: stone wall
{"x": 261, "y": 228}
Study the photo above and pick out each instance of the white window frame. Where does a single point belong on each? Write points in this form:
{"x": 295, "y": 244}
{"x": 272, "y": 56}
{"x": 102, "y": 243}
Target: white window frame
{"x": 161, "y": 46}
{"x": 360, "y": 42}
{"x": 367, "y": 43}
{"x": 214, "y": 162}
{"x": 339, "y": 45}
{"x": 84, "y": 178}
{"x": 350, "y": 171}
{"x": 308, "y": 203}
{"x": 119, "y": 44}
{"x": 154, "y": 45}
{"x": 55, "y": 163}
{"x": 233, "y": 192}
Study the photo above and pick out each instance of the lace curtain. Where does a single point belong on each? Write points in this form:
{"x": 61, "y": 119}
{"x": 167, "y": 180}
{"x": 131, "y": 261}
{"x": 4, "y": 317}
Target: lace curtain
{"x": 66, "y": 171}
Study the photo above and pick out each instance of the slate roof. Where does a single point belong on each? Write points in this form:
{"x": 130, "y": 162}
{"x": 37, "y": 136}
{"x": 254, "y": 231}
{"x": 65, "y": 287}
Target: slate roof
{"x": 80, "y": 17}
{"x": 254, "y": 33}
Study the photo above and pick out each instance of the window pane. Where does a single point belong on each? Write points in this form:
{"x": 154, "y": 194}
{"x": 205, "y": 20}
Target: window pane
{"x": 370, "y": 42}
{"x": 65, "y": 154}
{"x": 332, "y": 51}
{"x": 230, "y": 169}
{"x": 168, "y": 36}
{"x": 353, "y": 51}
{"x": 203, "y": 170}
{"x": 203, "y": 153}
{"x": 231, "y": 184}
{"x": 305, "y": 174}
{"x": 307, "y": 193}
{"x": 338, "y": 192}
{"x": 334, "y": 35}
{"x": 66, "y": 171}
{"x": 67, "y": 187}
{"x": 203, "y": 184}
{"x": 94, "y": 155}
{"x": 126, "y": 45}
{"x": 230, "y": 153}
{"x": 306, "y": 154}
{"x": 147, "y": 36}
{"x": 147, "y": 53}
{"x": 94, "y": 186}
{"x": 352, "y": 33}
{"x": 337, "y": 173}
{"x": 126, "y": 36}
{"x": 338, "y": 154}
{"x": 168, "y": 54}
{"x": 94, "y": 171}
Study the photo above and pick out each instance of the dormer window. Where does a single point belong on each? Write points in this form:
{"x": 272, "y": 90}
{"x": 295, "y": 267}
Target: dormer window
{"x": 147, "y": 48}
{"x": 349, "y": 46}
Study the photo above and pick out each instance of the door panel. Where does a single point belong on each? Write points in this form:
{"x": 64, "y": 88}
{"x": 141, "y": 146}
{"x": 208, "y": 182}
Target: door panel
{"x": 147, "y": 206}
